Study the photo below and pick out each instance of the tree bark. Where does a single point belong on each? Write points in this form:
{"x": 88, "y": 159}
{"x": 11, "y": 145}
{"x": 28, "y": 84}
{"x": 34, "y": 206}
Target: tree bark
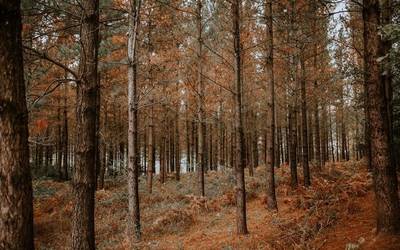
{"x": 241, "y": 221}
{"x": 306, "y": 168}
{"x": 65, "y": 138}
{"x": 151, "y": 163}
{"x": 293, "y": 147}
{"x": 84, "y": 177}
{"x": 177, "y": 146}
{"x": 200, "y": 161}
{"x": 385, "y": 178}
{"x": 59, "y": 142}
{"x": 134, "y": 232}
{"x": 271, "y": 196}
{"x": 16, "y": 213}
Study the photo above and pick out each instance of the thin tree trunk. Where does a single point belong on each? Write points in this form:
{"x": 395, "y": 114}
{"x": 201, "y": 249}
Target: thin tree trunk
{"x": 59, "y": 142}
{"x": 177, "y": 147}
{"x": 133, "y": 231}
{"x": 65, "y": 138}
{"x": 151, "y": 150}
{"x": 271, "y": 196}
{"x": 241, "y": 221}
{"x": 188, "y": 143}
{"x": 293, "y": 147}
{"x": 200, "y": 161}
{"x": 306, "y": 168}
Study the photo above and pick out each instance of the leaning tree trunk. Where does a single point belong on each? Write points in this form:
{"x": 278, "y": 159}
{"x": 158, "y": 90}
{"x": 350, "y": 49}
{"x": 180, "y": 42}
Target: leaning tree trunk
{"x": 133, "y": 143}
{"x": 84, "y": 176}
{"x": 385, "y": 179}
{"x": 16, "y": 212}
{"x": 271, "y": 197}
{"x": 241, "y": 221}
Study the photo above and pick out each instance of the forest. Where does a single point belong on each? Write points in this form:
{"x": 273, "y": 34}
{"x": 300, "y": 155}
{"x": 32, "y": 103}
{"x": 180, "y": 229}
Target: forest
{"x": 199, "y": 124}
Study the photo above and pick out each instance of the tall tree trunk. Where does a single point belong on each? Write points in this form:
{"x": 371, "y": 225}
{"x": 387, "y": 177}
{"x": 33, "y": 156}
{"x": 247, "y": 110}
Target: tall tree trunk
{"x": 133, "y": 143}
{"x": 385, "y": 178}
{"x": 16, "y": 212}
{"x": 84, "y": 177}
{"x": 177, "y": 146}
{"x": 47, "y": 149}
{"x": 194, "y": 145}
{"x": 151, "y": 164}
{"x": 323, "y": 137}
{"x": 293, "y": 147}
{"x": 331, "y": 135}
{"x": 162, "y": 157}
{"x": 367, "y": 125}
{"x": 200, "y": 161}
{"x": 65, "y": 138}
{"x": 188, "y": 143}
{"x": 306, "y": 168}
{"x": 386, "y": 69}
{"x": 59, "y": 142}
{"x": 241, "y": 221}
{"x": 163, "y": 148}
{"x": 255, "y": 141}
{"x": 271, "y": 196}
{"x": 97, "y": 163}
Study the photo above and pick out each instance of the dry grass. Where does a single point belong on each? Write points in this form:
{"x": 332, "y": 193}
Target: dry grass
{"x": 174, "y": 218}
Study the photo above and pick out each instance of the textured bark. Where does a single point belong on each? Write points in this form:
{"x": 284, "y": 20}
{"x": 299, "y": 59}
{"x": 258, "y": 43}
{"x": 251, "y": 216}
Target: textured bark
{"x": 16, "y": 210}
{"x": 241, "y": 221}
{"x": 306, "y": 168}
{"x": 84, "y": 176}
{"x": 271, "y": 196}
{"x": 385, "y": 179}
{"x": 386, "y": 70}
{"x": 134, "y": 232}
{"x": 200, "y": 161}
{"x": 367, "y": 125}
{"x": 317, "y": 139}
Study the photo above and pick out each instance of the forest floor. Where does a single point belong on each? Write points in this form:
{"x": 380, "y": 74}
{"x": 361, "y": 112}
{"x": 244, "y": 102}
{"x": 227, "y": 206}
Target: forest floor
{"x": 336, "y": 212}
